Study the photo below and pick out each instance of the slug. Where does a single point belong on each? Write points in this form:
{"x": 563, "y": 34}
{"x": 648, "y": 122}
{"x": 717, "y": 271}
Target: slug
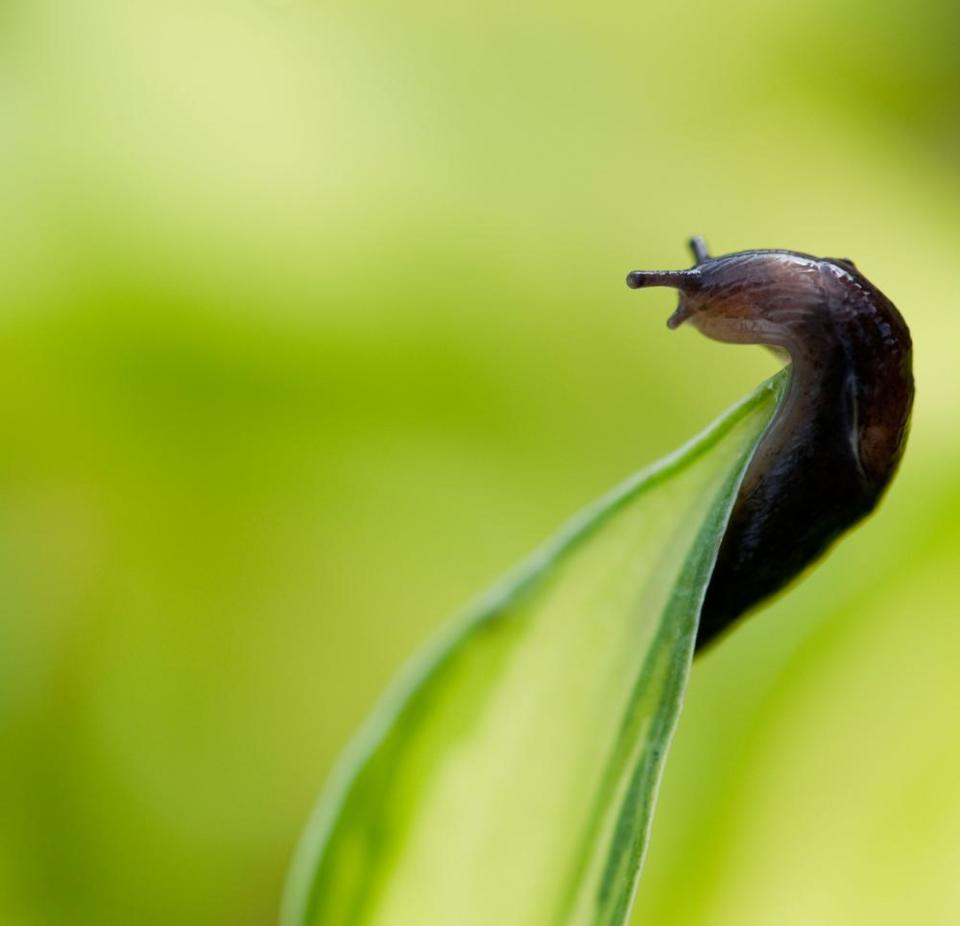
{"x": 839, "y": 432}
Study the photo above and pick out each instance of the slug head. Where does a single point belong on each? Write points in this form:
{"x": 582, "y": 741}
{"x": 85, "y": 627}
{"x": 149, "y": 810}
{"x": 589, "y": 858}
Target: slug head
{"x": 756, "y": 297}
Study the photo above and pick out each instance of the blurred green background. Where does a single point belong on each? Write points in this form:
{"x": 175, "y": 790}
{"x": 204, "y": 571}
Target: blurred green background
{"x": 313, "y": 323}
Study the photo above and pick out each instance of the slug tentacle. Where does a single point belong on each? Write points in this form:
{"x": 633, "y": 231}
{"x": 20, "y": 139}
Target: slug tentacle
{"x": 684, "y": 280}
{"x": 698, "y": 247}
{"x": 839, "y": 433}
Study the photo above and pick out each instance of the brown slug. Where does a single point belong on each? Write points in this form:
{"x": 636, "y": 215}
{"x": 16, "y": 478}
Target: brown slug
{"x": 840, "y": 429}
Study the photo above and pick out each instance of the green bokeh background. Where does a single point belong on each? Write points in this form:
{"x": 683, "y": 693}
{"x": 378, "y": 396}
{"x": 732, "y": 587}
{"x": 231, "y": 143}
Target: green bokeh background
{"x": 313, "y": 323}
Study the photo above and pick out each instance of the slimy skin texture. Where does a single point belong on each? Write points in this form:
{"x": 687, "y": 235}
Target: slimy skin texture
{"x": 840, "y": 430}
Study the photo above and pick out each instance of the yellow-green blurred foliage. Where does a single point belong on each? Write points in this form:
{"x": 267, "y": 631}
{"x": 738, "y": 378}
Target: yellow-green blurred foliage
{"x": 313, "y": 322}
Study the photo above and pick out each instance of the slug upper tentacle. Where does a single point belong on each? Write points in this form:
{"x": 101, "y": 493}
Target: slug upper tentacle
{"x": 840, "y": 430}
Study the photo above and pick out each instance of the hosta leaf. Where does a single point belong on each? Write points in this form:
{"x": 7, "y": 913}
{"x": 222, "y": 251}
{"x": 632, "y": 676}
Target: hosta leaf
{"x": 509, "y": 778}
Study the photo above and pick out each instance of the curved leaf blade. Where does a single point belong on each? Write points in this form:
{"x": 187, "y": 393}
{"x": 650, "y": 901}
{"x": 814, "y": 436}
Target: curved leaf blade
{"x": 510, "y": 776}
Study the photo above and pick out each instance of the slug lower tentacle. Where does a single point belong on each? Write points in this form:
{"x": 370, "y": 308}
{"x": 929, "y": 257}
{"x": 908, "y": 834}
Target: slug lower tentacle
{"x": 840, "y": 430}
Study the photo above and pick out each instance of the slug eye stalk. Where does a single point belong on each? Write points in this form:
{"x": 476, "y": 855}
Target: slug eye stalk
{"x": 687, "y": 281}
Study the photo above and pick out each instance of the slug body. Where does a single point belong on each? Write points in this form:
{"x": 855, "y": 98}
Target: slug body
{"x": 839, "y": 433}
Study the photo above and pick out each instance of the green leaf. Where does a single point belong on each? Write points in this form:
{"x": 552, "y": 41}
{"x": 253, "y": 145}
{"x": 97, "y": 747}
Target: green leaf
{"x": 510, "y": 776}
